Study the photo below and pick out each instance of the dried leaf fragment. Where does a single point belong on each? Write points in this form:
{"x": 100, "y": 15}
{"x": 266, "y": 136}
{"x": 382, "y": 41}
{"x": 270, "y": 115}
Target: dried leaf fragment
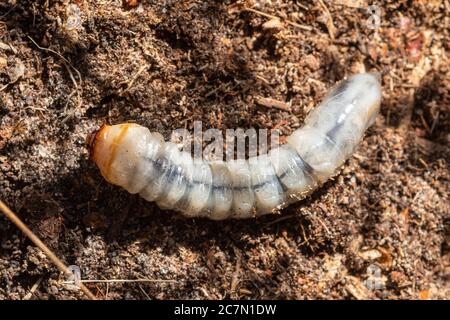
{"x": 132, "y": 3}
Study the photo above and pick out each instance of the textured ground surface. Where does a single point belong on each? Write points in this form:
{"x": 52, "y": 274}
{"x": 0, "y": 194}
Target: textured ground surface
{"x": 379, "y": 230}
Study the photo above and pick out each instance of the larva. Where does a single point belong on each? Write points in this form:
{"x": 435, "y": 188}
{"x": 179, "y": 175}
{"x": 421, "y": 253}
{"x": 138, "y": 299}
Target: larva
{"x": 130, "y": 156}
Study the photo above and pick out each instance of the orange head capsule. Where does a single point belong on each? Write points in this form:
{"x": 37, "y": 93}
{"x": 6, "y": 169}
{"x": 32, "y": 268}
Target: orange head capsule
{"x": 106, "y": 147}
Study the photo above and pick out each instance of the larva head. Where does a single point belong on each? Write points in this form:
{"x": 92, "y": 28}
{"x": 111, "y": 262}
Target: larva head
{"x": 117, "y": 149}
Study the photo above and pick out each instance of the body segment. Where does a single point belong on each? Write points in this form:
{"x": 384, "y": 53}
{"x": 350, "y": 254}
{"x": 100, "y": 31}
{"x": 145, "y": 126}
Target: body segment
{"x": 132, "y": 157}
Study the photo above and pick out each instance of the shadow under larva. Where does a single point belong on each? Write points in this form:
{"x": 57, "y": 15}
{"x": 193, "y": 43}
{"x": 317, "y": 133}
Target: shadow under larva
{"x": 130, "y": 156}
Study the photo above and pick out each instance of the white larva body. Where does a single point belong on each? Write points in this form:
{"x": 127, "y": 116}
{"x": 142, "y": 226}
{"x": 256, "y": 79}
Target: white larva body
{"x": 132, "y": 157}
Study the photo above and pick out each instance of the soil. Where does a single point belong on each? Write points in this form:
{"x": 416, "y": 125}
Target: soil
{"x": 379, "y": 230}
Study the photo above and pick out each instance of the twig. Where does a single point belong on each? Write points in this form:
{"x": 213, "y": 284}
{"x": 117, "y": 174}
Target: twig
{"x": 5, "y": 86}
{"x": 68, "y": 65}
{"x": 324, "y": 225}
{"x": 60, "y": 56}
{"x": 272, "y": 103}
{"x": 330, "y": 25}
{"x": 435, "y": 121}
{"x": 8, "y": 12}
{"x": 145, "y": 293}
{"x": 294, "y": 24}
{"x": 130, "y": 83}
{"x": 425, "y": 124}
{"x": 235, "y": 277}
{"x": 70, "y": 114}
{"x": 306, "y": 238}
{"x": 280, "y": 219}
{"x": 58, "y": 263}
{"x": 33, "y": 289}
{"x": 118, "y": 281}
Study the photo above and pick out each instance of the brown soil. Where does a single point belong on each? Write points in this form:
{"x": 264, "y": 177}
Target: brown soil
{"x": 379, "y": 230}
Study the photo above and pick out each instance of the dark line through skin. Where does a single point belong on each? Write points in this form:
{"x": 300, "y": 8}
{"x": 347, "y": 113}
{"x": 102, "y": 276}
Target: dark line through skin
{"x": 173, "y": 187}
{"x": 158, "y": 164}
{"x": 170, "y": 178}
{"x": 177, "y": 171}
{"x": 308, "y": 170}
{"x": 331, "y": 134}
{"x": 174, "y": 173}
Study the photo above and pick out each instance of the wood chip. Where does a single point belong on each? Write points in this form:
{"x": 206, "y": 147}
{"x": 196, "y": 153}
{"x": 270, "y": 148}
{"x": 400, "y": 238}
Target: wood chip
{"x": 272, "y": 103}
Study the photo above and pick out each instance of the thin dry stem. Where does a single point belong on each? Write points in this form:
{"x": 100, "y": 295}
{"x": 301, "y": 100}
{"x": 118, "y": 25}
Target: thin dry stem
{"x": 56, "y": 261}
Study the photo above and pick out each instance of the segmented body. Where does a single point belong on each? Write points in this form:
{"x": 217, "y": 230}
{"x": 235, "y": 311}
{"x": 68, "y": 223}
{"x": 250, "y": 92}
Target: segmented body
{"x": 132, "y": 157}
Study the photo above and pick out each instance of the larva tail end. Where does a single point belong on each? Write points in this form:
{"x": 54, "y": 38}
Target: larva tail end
{"x": 376, "y": 75}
